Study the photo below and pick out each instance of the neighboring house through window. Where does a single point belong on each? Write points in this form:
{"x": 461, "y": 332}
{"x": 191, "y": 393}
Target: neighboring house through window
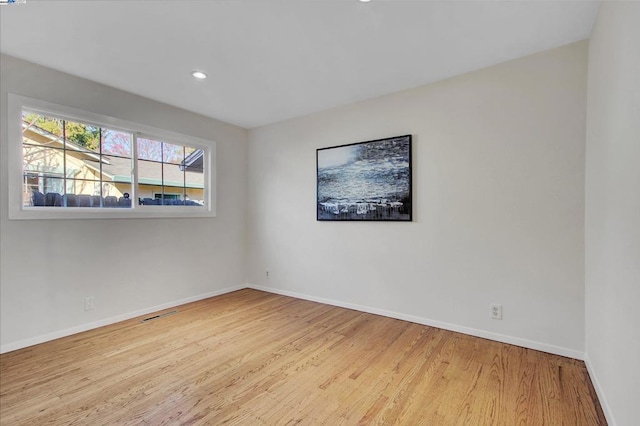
{"x": 72, "y": 161}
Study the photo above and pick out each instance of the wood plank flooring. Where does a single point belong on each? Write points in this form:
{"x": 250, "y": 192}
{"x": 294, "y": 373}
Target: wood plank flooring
{"x": 254, "y": 358}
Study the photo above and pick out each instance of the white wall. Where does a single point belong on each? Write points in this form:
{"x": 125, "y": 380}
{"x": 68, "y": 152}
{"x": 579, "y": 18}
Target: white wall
{"x": 498, "y": 169}
{"x": 49, "y": 266}
{"x": 612, "y": 222}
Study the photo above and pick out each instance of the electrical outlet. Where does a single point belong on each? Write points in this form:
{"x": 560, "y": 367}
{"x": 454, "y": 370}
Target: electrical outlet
{"x": 496, "y": 312}
{"x": 88, "y": 303}
{"x": 266, "y": 274}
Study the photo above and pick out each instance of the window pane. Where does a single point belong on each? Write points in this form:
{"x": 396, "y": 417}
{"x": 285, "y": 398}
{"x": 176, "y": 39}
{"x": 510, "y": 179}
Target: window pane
{"x": 81, "y": 186}
{"x": 194, "y": 177}
{"x": 116, "y": 143}
{"x": 116, "y": 169}
{"x": 194, "y": 162}
{"x": 34, "y": 136}
{"x": 173, "y": 184}
{"x": 81, "y": 166}
{"x": 149, "y": 173}
{"x": 39, "y": 124}
{"x": 78, "y": 200}
{"x": 52, "y": 184}
{"x": 172, "y": 153}
{"x": 31, "y": 194}
{"x": 149, "y": 181}
{"x": 194, "y": 182}
{"x": 83, "y": 193}
{"x": 42, "y": 190}
{"x": 167, "y": 185}
{"x": 82, "y": 137}
{"x": 42, "y": 159}
{"x": 172, "y": 176}
{"x": 169, "y": 198}
{"x": 149, "y": 149}
{"x": 116, "y": 194}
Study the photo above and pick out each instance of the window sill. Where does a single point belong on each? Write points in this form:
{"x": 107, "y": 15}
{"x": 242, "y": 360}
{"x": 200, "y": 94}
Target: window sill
{"x": 152, "y": 212}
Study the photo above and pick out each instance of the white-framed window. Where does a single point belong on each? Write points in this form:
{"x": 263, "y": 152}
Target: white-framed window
{"x": 66, "y": 163}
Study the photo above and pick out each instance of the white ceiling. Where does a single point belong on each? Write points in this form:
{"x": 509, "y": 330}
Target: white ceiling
{"x": 271, "y": 60}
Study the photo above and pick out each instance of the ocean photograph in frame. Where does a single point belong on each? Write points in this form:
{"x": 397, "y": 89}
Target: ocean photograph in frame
{"x": 365, "y": 181}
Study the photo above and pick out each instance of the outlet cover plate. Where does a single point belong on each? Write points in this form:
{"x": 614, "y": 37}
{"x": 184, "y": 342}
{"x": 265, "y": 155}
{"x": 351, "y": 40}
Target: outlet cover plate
{"x": 496, "y": 312}
{"x": 88, "y": 303}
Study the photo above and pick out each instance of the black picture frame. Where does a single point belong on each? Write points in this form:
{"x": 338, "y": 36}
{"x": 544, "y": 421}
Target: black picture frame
{"x": 365, "y": 181}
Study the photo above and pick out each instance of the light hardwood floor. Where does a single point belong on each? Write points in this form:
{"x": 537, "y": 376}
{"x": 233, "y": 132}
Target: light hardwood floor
{"x": 254, "y": 358}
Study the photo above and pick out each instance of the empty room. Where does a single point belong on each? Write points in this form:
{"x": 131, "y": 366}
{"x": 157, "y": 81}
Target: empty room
{"x": 337, "y": 212}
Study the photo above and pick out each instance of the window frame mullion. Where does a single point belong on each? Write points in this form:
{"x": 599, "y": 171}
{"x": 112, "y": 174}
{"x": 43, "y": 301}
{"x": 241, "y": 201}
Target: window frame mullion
{"x": 134, "y": 170}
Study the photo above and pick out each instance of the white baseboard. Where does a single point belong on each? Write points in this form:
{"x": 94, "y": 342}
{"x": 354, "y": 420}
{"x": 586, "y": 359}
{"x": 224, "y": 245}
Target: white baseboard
{"x": 599, "y": 391}
{"x": 558, "y": 350}
{"x": 107, "y": 321}
{"x": 530, "y": 344}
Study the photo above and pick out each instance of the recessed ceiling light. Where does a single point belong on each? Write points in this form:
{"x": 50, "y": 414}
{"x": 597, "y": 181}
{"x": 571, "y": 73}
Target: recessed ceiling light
{"x": 365, "y": 1}
{"x": 199, "y": 75}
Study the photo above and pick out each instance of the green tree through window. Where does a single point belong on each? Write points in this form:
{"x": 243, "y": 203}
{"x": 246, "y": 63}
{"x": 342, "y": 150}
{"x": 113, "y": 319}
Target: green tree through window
{"x": 77, "y": 133}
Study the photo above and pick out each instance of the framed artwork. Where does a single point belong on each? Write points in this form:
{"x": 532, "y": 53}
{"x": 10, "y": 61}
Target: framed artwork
{"x": 365, "y": 181}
